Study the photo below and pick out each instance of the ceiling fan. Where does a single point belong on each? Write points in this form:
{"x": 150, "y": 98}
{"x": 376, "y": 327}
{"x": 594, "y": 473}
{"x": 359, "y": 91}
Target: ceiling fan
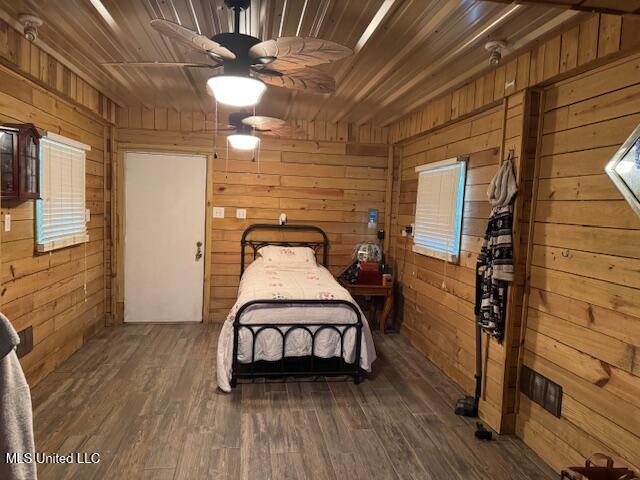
{"x": 242, "y": 63}
{"x": 244, "y": 125}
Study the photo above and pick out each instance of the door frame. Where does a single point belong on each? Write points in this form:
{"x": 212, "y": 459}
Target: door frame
{"x": 118, "y": 212}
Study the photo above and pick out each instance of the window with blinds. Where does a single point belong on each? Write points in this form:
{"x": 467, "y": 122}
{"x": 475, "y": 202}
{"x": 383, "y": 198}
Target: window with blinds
{"x": 439, "y": 205}
{"x": 60, "y": 214}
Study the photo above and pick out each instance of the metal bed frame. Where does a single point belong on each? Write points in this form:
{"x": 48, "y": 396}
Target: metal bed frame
{"x": 293, "y": 366}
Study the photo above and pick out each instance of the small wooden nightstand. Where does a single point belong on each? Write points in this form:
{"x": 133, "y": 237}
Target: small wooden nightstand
{"x": 386, "y": 291}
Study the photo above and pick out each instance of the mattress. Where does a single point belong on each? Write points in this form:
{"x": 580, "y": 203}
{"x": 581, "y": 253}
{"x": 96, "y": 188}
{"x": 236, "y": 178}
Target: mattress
{"x": 261, "y": 281}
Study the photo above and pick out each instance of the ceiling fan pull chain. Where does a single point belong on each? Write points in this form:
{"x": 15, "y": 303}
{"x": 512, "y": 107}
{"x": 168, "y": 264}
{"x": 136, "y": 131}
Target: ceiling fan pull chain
{"x": 226, "y": 168}
{"x": 257, "y": 147}
{"x": 254, "y": 153}
{"x": 215, "y": 133}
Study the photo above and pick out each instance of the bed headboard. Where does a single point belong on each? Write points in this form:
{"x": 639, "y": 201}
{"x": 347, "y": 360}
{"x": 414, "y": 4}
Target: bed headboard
{"x": 256, "y": 244}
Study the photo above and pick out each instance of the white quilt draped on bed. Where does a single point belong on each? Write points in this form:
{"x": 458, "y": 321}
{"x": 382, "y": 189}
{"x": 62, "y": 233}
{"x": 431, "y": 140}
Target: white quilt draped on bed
{"x": 260, "y": 282}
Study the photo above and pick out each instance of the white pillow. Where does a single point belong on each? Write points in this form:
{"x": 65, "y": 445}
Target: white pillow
{"x": 275, "y": 255}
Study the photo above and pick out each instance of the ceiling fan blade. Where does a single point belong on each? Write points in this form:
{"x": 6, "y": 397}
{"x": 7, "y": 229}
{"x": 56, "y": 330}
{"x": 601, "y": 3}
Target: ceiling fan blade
{"x": 272, "y": 126}
{"x": 264, "y": 123}
{"x": 194, "y": 39}
{"x": 307, "y": 79}
{"x": 288, "y": 132}
{"x": 160, "y": 64}
{"x": 263, "y": 70}
{"x": 294, "y": 53}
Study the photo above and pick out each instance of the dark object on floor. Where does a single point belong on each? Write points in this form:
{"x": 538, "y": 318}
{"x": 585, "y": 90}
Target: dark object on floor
{"x": 591, "y": 471}
{"x": 482, "y": 433}
{"x": 467, "y": 406}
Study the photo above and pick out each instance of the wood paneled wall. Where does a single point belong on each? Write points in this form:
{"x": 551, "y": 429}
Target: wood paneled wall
{"x": 583, "y": 316}
{"x": 35, "y": 64}
{"x": 581, "y": 319}
{"x": 521, "y": 136}
{"x": 331, "y": 184}
{"x": 580, "y": 327}
{"x": 60, "y": 294}
{"x": 572, "y": 50}
{"x": 155, "y": 118}
{"x": 438, "y": 300}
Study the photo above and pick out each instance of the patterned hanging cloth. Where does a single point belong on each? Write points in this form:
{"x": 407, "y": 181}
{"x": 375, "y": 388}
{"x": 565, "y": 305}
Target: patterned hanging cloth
{"x": 494, "y": 269}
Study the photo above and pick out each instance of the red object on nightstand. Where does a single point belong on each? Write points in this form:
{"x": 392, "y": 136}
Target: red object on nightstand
{"x": 369, "y": 274}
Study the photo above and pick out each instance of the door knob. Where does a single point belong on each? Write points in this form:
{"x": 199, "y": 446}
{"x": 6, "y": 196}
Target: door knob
{"x": 198, "y": 250}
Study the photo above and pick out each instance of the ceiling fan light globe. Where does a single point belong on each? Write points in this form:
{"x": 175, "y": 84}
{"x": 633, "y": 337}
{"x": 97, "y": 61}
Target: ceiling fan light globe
{"x": 236, "y": 91}
{"x": 243, "y": 142}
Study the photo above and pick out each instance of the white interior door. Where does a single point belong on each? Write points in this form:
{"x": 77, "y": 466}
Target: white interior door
{"x": 164, "y": 221}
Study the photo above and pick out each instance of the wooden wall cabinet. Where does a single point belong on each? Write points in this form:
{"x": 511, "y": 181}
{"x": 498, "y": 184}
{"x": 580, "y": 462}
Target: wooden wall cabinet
{"x": 19, "y": 162}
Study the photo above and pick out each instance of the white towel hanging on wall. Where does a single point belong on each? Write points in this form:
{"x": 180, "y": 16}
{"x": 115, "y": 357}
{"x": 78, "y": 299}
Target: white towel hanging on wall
{"x": 503, "y": 186}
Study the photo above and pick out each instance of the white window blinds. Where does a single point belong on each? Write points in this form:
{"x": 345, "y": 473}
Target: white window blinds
{"x": 439, "y": 205}
{"x": 60, "y": 214}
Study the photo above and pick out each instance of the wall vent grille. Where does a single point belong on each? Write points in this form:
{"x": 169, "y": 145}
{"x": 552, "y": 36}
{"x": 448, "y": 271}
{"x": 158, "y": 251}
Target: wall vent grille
{"x": 541, "y": 390}
{"x": 26, "y": 342}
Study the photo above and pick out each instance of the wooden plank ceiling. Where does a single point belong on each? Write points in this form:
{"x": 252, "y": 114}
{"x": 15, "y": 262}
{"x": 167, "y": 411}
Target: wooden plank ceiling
{"x": 619, "y": 7}
{"x": 407, "y": 51}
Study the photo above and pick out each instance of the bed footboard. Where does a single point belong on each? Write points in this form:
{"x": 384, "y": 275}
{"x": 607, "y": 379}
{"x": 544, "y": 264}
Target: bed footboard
{"x": 293, "y": 366}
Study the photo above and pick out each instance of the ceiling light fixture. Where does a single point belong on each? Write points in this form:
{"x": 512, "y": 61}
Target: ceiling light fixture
{"x": 236, "y": 91}
{"x": 30, "y": 24}
{"x": 496, "y": 49}
{"x": 243, "y": 141}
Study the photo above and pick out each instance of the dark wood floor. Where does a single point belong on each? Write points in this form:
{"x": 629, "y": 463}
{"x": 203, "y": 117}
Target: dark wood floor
{"x": 145, "y": 398}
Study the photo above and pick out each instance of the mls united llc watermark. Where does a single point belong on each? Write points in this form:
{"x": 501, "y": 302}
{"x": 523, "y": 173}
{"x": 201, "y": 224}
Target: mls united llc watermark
{"x": 41, "y": 457}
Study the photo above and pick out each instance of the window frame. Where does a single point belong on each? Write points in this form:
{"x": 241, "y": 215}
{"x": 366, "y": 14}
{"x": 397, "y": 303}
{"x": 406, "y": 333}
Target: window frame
{"x": 72, "y": 239}
{"x": 460, "y": 162}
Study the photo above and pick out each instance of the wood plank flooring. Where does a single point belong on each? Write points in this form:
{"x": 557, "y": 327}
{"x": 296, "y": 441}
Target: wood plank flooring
{"x": 145, "y": 398}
